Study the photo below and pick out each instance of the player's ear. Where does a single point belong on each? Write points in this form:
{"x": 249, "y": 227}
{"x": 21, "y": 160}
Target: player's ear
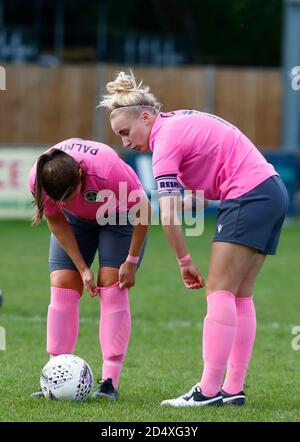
{"x": 146, "y": 117}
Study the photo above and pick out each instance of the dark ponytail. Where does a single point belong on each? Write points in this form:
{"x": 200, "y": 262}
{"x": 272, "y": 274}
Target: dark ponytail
{"x": 38, "y": 189}
{"x": 57, "y": 175}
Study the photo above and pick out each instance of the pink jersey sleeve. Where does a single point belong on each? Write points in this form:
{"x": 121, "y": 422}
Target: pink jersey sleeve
{"x": 168, "y": 153}
{"x": 50, "y": 207}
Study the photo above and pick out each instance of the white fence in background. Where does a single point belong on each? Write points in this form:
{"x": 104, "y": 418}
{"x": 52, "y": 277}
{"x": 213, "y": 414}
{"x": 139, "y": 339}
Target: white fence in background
{"x": 15, "y": 196}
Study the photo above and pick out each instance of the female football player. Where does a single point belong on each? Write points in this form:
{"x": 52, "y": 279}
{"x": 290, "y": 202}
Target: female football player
{"x": 200, "y": 151}
{"x": 82, "y": 188}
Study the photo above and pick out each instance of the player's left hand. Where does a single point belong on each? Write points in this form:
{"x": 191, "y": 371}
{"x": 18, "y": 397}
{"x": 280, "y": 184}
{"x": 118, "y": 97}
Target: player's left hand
{"x": 191, "y": 276}
{"x": 127, "y": 275}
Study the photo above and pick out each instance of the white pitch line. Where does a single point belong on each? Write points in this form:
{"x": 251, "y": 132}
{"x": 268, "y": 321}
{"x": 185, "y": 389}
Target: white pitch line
{"x": 141, "y": 322}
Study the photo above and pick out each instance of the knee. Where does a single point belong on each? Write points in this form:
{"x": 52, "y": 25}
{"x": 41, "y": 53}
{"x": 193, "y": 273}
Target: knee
{"x": 107, "y": 281}
{"x": 66, "y": 279}
{"x": 214, "y": 286}
{"x": 108, "y": 276}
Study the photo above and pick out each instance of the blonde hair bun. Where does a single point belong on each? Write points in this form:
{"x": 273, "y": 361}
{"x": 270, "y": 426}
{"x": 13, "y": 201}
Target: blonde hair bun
{"x": 124, "y": 92}
{"x": 124, "y": 84}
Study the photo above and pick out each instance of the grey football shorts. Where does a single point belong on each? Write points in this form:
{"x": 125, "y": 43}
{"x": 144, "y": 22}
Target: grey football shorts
{"x": 254, "y": 219}
{"x": 111, "y": 241}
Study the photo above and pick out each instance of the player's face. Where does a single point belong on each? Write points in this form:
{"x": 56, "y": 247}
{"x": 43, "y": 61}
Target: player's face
{"x": 134, "y": 131}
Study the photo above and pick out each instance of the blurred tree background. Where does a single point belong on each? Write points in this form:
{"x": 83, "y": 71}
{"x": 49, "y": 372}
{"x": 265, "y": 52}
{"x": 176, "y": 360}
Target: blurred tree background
{"x": 227, "y": 32}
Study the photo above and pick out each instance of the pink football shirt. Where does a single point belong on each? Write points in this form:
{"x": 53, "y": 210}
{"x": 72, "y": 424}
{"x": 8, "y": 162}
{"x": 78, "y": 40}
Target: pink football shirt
{"x": 206, "y": 153}
{"x": 104, "y": 170}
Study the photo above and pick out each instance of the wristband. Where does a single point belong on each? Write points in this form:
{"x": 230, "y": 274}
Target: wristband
{"x": 184, "y": 260}
{"x": 133, "y": 259}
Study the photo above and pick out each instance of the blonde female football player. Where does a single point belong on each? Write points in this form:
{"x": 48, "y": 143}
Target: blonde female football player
{"x": 203, "y": 152}
{"x": 76, "y": 186}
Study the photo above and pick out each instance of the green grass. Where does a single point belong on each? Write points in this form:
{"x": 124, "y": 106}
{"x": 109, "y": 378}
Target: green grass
{"x": 164, "y": 356}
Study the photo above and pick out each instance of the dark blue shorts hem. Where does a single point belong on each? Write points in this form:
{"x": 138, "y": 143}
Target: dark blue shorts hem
{"x": 53, "y": 266}
{"x": 243, "y": 243}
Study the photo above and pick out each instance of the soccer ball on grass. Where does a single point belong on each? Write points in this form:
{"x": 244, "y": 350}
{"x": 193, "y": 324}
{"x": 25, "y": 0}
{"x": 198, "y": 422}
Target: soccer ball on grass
{"x": 67, "y": 377}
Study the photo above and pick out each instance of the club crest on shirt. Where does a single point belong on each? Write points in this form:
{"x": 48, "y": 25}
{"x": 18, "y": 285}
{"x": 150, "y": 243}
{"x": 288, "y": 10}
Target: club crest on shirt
{"x": 90, "y": 196}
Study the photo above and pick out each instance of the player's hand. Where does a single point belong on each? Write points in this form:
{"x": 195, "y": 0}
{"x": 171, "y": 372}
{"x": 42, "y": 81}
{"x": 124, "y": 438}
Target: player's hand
{"x": 88, "y": 281}
{"x": 127, "y": 275}
{"x": 191, "y": 276}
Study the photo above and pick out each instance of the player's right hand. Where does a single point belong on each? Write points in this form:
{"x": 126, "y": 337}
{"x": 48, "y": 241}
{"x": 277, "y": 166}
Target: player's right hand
{"x": 88, "y": 281}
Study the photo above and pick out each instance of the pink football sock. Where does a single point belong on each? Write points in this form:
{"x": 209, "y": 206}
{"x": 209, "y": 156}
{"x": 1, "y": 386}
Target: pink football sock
{"x": 114, "y": 330}
{"x": 241, "y": 350}
{"x": 62, "y": 321}
{"x": 218, "y": 334}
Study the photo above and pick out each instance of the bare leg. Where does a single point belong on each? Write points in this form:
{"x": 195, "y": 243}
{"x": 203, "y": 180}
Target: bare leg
{"x": 107, "y": 276}
{"x": 229, "y": 264}
{"x": 247, "y": 284}
{"x": 66, "y": 279}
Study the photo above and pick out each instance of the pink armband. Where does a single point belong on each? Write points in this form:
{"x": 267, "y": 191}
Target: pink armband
{"x": 184, "y": 260}
{"x": 133, "y": 259}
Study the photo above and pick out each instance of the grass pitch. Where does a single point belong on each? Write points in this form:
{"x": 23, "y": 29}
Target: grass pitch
{"x": 164, "y": 355}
